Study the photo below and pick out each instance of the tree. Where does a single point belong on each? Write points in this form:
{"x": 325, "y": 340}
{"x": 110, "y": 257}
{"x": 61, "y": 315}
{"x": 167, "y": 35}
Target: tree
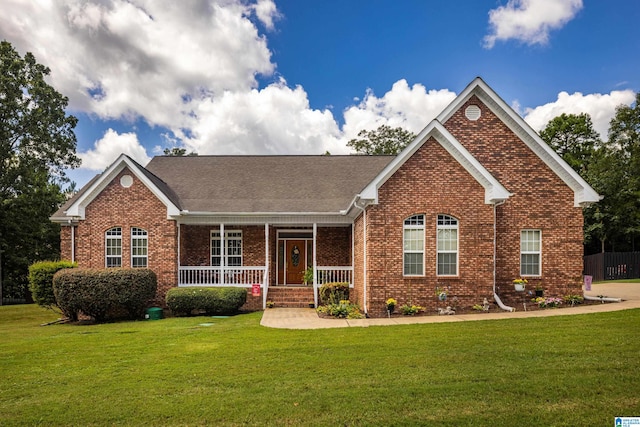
{"x": 37, "y": 144}
{"x": 572, "y": 136}
{"x": 384, "y": 140}
{"x": 178, "y": 152}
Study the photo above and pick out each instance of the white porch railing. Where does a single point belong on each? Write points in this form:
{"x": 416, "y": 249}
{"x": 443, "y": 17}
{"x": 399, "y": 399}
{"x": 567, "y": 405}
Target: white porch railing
{"x": 220, "y": 276}
{"x": 335, "y": 274}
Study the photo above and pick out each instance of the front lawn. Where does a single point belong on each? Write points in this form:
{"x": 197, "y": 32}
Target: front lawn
{"x": 566, "y": 370}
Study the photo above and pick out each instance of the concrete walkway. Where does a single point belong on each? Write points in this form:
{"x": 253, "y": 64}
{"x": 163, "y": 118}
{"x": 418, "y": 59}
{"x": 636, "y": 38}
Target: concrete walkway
{"x": 306, "y": 318}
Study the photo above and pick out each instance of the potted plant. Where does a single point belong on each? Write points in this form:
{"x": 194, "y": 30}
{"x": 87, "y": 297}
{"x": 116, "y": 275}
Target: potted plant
{"x": 307, "y": 276}
{"x": 270, "y": 304}
{"x": 391, "y": 305}
{"x": 539, "y": 290}
{"x": 312, "y": 304}
{"x": 441, "y": 293}
{"x": 519, "y": 284}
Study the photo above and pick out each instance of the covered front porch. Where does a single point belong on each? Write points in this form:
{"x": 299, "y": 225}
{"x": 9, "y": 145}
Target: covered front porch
{"x": 276, "y": 256}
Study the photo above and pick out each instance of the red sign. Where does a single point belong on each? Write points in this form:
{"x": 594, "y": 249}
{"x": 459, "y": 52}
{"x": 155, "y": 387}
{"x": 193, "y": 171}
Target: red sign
{"x": 255, "y": 290}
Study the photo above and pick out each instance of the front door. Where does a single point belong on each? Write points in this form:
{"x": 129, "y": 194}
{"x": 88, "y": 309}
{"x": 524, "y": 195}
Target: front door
{"x": 296, "y": 260}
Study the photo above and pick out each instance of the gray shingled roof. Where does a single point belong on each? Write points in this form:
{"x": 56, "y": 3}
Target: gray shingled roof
{"x": 266, "y": 184}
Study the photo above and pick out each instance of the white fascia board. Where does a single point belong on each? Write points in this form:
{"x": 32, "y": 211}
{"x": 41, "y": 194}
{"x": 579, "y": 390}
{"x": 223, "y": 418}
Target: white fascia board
{"x": 494, "y": 191}
{"x": 583, "y": 193}
{"x": 77, "y": 209}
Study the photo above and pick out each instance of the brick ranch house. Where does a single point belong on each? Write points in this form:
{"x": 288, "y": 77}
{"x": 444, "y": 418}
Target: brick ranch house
{"x": 476, "y": 200}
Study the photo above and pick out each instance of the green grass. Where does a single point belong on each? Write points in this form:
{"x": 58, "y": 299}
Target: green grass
{"x": 561, "y": 371}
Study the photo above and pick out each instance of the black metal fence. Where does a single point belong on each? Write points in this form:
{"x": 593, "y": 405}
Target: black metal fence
{"x": 613, "y": 265}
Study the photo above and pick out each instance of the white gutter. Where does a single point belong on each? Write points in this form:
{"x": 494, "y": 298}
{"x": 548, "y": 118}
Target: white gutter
{"x": 495, "y": 245}
{"x": 608, "y": 299}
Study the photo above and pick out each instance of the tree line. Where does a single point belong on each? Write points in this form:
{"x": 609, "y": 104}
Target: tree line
{"x": 38, "y": 144}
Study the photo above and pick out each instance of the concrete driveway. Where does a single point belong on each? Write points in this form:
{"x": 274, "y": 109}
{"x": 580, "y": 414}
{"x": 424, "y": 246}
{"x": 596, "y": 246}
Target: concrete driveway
{"x": 306, "y": 318}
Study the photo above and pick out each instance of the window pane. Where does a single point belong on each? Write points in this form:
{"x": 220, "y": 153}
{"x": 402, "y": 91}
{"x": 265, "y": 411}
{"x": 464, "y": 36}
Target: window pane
{"x": 413, "y": 264}
{"x": 530, "y": 264}
{"x": 447, "y": 264}
{"x": 413, "y": 240}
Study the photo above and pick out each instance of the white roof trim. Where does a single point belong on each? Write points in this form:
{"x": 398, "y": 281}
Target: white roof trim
{"x": 583, "y": 193}
{"x": 77, "y": 209}
{"x": 494, "y": 191}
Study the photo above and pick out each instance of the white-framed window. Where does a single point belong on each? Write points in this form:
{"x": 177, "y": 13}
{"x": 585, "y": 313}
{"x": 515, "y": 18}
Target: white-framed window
{"x": 530, "y": 251}
{"x": 113, "y": 247}
{"x": 139, "y": 247}
{"x": 413, "y": 246}
{"x": 447, "y": 246}
{"x": 233, "y": 244}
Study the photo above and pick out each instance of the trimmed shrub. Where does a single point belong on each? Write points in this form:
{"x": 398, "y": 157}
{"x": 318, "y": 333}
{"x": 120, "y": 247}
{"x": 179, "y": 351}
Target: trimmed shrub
{"x": 334, "y": 292}
{"x": 103, "y": 293}
{"x": 212, "y": 301}
{"x": 41, "y": 281}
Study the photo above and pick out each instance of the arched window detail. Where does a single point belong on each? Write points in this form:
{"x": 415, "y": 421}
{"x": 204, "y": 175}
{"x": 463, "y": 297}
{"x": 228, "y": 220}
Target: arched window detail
{"x": 139, "y": 247}
{"x": 447, "y": 246}
{"x": 113, "y": 247}
{"x": 413, "y": 246}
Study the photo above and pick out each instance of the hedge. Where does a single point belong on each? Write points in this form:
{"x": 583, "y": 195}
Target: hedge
{"x": 212, "y": 301}
{"x": 104, "y": 293}
{"x": 41, "y": 281}
{"x": 334, "y": 292}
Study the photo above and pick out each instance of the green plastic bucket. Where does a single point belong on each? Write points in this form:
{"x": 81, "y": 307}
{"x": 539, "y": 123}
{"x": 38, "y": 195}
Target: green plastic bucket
{"x": 154, "y": 313}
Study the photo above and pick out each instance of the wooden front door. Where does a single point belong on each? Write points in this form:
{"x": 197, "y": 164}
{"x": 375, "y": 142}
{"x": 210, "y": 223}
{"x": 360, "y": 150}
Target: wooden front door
{"x": 296, "y": 260}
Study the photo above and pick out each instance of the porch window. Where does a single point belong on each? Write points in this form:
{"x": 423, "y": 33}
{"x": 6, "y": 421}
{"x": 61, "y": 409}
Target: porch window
{"x": 233, "y": 244}
{"x": 113, "y": 247}
{"x": 139, "y": 244}
{"x": 413, "y": 242}
{"x": 447, "y": 246}
{"x": 530, "y": 244}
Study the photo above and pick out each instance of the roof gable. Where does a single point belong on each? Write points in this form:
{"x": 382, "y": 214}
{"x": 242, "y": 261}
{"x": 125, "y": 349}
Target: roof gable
{"x": 583, "y": 193}
{"x": 494, "y": 191}
{"x": 75, "y": 208}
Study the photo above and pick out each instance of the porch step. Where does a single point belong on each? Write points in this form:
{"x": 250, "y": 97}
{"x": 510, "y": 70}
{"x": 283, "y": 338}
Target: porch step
{"x": 290, "y": 297}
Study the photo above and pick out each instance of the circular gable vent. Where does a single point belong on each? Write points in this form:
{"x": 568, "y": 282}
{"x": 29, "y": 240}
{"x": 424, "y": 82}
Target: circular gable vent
{"x": 472, "y": 112}
{"x": 126, "y": 181}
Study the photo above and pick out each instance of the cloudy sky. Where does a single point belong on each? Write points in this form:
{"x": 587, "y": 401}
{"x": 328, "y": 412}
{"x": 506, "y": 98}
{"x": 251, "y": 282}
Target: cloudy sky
{"x": 303, "y": 77}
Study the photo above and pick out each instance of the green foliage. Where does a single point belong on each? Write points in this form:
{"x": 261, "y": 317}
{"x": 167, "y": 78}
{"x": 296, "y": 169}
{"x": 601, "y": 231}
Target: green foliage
{"x": 41, "y": 281}
{"x": 334, "y": 292}
{"x": 104, "y": 293}
{"x": 343, "y": 309}
{"x": 37, "y": 145}
{"x": 178, "y": 152}
{"x": 186, "y": 301}
{"x": 383, "y": 141}
{"x": 410, "y": 310}
{"x": 307, "y": 277}
{"x": 573, "y": 300}
{"x": 572, "y": 136}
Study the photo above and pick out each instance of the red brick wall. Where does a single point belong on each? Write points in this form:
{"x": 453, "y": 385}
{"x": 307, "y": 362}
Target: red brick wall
{"x": 431, "y": 182}
{"x": 333, "y": 246}
{"x": 540, "y": 201}
{"x": 135, "y": 206}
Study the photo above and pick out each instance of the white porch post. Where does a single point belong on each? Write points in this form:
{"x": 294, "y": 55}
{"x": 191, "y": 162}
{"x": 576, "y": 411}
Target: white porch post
{"x": 73, "y": 243}
{"x": 178, "y": 253}
{"x": 265, "y": 285}
{"x": 315, "y": 266}
{"x": 223, "y": 254}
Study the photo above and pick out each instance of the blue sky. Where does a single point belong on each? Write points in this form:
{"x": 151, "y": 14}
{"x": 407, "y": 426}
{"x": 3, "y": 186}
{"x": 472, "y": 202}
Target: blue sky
{"x": 303, "y": 77}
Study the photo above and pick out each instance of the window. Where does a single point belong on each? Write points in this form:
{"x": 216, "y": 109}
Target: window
{"x": 413, "y": 238}
{"x": 113, "y": 246}
{"x": 139, "y": 243}
{"x": 233, "y": 243}
{"x": 530, "y": 252}
{"x": 447, "y": 246}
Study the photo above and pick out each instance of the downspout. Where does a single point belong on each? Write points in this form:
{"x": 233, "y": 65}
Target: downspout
{"x": 495, "y": 253}
{"x": 603, "y": 299}
{"x": 364, "y": 255}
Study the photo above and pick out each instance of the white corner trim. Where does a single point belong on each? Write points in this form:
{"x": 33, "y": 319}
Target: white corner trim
{"x": 494, "y": 191}
{"x": 77, "y": 209}
{"x": 583, "y": 193}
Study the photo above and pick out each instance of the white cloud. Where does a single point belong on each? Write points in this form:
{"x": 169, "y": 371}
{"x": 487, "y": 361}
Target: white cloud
{"x": 409, "y": 107}
{"x": 529, "y": 21}
{"x": 107, "y": 149}
{"x": 601, "y": 108}
{"x": 143, "y": 58}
